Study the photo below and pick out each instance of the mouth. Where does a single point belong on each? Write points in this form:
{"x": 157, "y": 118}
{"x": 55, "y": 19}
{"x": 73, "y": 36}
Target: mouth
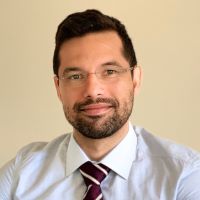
{"x": 96, "y": 109}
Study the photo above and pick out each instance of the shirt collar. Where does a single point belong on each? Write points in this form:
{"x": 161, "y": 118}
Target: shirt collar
{"x": 75, "y": 156}
{"x": 119, "y": 160}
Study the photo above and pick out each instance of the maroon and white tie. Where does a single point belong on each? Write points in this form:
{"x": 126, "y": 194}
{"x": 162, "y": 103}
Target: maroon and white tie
{"x": 93, "y": 175}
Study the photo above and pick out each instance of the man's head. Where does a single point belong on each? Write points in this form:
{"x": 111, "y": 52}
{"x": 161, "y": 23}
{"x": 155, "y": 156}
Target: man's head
{"x": 92, "y": 64}
{"x": 91, "y": 21}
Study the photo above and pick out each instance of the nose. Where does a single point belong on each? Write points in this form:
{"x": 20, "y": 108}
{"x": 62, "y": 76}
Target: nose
{"x": 93, "y": 88}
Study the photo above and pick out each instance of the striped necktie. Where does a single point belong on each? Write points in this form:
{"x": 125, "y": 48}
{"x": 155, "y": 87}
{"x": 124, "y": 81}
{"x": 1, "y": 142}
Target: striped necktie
{"x": 93, "y": 175}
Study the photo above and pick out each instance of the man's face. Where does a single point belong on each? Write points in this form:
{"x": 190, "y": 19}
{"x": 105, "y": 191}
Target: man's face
{"x": 96, "y": 108}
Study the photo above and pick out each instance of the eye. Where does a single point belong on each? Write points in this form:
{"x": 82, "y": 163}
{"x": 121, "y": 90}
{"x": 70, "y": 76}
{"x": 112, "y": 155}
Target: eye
{"x": 110, "y": 72}
{"x": 73, "y": 76}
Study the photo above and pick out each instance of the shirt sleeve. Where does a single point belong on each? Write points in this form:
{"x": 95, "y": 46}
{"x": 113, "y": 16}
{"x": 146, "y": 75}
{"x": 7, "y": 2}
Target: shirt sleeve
{"x": 189, "y": 186}
{"x": 6, "y": 180}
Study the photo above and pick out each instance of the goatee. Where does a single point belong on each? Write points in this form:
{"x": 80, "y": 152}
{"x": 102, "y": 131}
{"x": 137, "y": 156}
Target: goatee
{"x": 100, "y": 126}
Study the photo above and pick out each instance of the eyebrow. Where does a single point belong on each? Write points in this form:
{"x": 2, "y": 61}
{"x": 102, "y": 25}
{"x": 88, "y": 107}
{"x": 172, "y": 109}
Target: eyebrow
{"x": 69, "y": 69}
{"x": 115, "y": 63}
{"x": 72, "y": 68}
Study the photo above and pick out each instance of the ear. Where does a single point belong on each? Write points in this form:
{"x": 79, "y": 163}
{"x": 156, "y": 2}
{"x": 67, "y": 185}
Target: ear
{"x": 137, "y": 79}
{"x": 56, "y": 82}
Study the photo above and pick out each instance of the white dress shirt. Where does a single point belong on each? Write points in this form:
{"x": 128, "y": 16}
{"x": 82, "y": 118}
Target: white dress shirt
{"x": 143, "y": 167}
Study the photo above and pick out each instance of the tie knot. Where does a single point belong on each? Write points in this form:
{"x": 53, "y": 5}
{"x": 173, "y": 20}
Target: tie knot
{"x": 93, "y": 173}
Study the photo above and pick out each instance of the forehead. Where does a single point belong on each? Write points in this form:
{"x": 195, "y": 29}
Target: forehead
{"x": 92, "y": 49}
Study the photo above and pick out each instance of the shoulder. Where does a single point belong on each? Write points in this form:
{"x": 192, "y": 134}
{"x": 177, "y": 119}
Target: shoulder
{"x": 38, "y": 151}
{"x": 43, "y": 148}
{"x": 156, "y": 147}
{"x": 29, "y": 160}
{"x": 174, "y": 164}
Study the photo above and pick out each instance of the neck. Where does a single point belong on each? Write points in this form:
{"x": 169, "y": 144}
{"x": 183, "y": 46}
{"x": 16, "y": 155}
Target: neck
{"x": 96, "y": 149}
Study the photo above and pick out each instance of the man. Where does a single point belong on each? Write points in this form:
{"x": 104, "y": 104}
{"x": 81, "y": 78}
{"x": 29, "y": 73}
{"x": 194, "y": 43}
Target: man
{"x": 97, "y": 78}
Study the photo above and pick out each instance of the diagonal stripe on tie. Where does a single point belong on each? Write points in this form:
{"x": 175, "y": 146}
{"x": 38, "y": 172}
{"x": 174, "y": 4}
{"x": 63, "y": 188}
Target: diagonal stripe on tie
{"x": 90, "y": 177}
{"x": 93, "y": 175}
{"x": 101, "y": 168}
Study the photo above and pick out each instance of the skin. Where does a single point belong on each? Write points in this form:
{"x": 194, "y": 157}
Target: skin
{"x": 89, "y": 53}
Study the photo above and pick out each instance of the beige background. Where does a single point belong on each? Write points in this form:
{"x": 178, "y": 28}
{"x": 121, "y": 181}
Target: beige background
{"x": 166, "y": 36}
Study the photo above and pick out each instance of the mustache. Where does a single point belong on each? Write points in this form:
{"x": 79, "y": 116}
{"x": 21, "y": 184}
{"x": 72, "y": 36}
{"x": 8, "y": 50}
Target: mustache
{"x": 79, "y": 106}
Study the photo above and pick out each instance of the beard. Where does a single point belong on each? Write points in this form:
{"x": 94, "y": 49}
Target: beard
{"x": 100, "y": 126}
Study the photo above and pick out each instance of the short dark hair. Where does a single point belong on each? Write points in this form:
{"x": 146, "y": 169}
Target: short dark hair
{"x": 80, "y": 23}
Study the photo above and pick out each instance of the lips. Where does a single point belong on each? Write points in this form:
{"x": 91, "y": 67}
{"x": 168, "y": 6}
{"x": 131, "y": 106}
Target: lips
{"x": 96, "y": 109}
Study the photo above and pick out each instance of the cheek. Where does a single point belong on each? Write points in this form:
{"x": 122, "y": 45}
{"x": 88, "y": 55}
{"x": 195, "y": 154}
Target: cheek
{"x": 122, "y": 89}
{"x": 124, "y": 93}
{"x": 69, "y": 98}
